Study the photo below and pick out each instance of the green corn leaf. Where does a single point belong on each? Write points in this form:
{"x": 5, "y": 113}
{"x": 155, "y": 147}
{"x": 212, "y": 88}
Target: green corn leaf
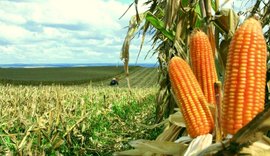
{"x": 213, "y": 3}
{"x": 198, "y": 10}
{"x": 159, "y": 25}
{"x": 198, "y": 23}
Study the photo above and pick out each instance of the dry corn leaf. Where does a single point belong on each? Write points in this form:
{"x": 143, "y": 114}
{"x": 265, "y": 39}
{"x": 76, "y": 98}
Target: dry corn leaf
{"x": 256, "y": 149}
{"x": 198, "y": 144}
{"x": 177, "y": 119}
{"x": 160, "y": 147}
{"x": 183, "y": 139}
{"x": 169, "y": 134}
{"x": 24, "y": 141}
{"x": 134, "y": 152}
{"x": 226, "y": 21}
{"x": 173, "y": 7}
{"x": 146, "y": 147}
{"x": 57, "y": 143}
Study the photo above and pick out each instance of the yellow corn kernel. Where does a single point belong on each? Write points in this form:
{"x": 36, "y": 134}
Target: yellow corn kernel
{"x": 246, "y": 65}
{"x": 190, "y": 98}
{"x": 203, "y": 64}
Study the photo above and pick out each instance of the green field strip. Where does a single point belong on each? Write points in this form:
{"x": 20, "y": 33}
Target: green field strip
{"x": 132, "y": 75}
{"x": 139, "y": 76}
{"x": 152, "y": 75}
{"x": 59, "y": 74}
{"x": 75, "y": 75}
{"x": 136, "y": 78}
{"x": 121, "y": 77}
{"x": 148, "y": 79}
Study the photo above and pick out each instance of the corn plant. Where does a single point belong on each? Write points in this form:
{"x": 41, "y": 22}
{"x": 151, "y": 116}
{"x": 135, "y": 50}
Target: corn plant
{"x": 73, "y": 120}
{"x": 174, "y": 23}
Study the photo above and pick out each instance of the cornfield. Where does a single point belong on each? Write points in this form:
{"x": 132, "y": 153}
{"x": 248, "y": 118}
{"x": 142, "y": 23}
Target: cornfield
{"x": 73, "y": 120}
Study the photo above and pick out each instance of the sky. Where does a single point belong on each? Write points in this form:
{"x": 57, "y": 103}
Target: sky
{"x": 67, "y": 31}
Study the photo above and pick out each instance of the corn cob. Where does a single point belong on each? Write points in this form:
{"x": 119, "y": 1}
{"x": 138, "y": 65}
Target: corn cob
{"x": 203, "y": 64}
{"x": 245, "y": 77}
{"x": 190, "y": 98}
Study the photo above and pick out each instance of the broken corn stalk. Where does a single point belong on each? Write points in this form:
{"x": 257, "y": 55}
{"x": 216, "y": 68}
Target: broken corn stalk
{"x": 244, "y": 88}
{"x": 190, "y": 98}
{"x": 203, "y": 64}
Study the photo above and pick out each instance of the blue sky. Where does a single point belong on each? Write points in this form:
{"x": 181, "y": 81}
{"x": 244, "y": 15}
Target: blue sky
{"x": 66, "y": 31}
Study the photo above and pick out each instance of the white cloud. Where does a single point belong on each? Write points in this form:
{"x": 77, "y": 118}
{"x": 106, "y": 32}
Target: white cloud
{"x": 12, "y": 32}
{"x": 53, "y": 31}
{"x": 69, "y": 30}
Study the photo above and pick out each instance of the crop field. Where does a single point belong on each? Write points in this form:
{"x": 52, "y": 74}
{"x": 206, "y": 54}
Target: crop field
{"x": 88, "y": 119}
{"x": 138, "y": 77}
{"x": 59, "y": 74}
{"x": 69, "y": 76}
